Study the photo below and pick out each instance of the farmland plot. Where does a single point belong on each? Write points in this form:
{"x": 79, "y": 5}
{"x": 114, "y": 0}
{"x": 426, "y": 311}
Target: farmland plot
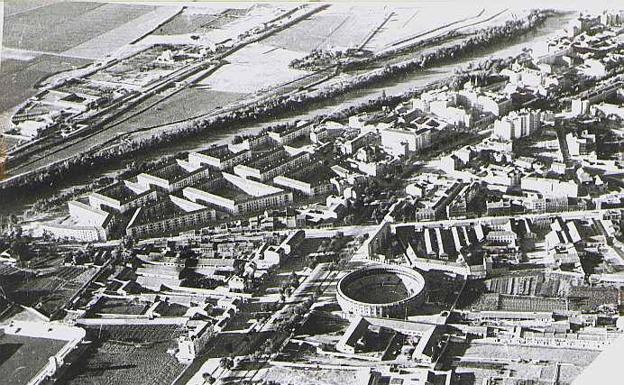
{"x": 186, "y": 23}
{"x": 18, "y": 79}
{"x": 339, "y": 27}
{"x": 410, "y": 21}
{"x": 415, "y": 24}
{"x": 110, "y": 41}
{"x": 15, "y": 7}
{"x": 37, "y": 29}
{"x": 195, "y": 20}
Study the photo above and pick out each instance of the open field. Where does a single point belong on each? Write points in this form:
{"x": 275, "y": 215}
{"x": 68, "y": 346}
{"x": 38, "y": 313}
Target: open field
{"x": 409, "y": 21}
{"x": 195, "y": 20}
{"x": 343, "y": 26}
{"x": 15, "y": 7}
{"x": 543, "y": 364}
{"x": 112, "y": 40}
{"x": 117, "y": 360}
{"x": 254, "y": 68}
{"x": 185, "y": 104}
{"x": 186, "y": 23}
{"x": 37, "y": 29}
{"x": 339, "y": 26}
{"x": 500, "y": 351}
{"x": 18, "y": 79}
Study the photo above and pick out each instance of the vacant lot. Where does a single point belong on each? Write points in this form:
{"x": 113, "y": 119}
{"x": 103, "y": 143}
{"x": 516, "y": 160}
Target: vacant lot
{"x": 254, "y": 68}
{"x": 306, "y": 376}
{"x": 18, "y": 79}
{"x": 37, "y": 29}
{"x": 571, "y": 356}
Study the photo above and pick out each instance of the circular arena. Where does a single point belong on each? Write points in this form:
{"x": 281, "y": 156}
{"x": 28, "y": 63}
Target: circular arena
{"x": 381, "y": 291}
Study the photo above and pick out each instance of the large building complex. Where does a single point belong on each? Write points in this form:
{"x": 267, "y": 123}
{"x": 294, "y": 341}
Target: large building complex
{"x": 381, "y": 291}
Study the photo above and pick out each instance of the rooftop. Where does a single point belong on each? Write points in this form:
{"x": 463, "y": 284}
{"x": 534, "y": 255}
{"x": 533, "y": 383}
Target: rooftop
{"x": 172, "y": 172}
{"x": 226, "y": 190}
{"x": 159, "y": 211}
{"x": 118, "y": 191}
{"x": 315, "y": 175}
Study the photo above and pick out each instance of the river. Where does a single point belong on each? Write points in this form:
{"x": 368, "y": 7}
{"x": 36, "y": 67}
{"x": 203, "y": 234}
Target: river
{"x": 18, "y": 204}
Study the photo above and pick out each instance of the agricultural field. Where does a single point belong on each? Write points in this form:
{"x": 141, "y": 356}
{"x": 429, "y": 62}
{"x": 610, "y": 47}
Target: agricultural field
{"x": 212, "y": 23}
{"x": 14, "y": 7}
{"x": 185, "y": 104}
{"x": 19, "y": 78}
{"x": 21, "y": 357}
{"x": 410, "y": 22}
{"x": 37, "y": 29}
{"x": 339, "y": 26}
{"x": 111, "y": 41}
{"x": 194, "y": 20}
{"x": 254, "y": 68}
{"x": 377, "y": 27}
{"x": 410, "y": 25}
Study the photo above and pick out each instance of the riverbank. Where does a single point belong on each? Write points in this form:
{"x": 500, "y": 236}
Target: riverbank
{"x": 18, "y": 202}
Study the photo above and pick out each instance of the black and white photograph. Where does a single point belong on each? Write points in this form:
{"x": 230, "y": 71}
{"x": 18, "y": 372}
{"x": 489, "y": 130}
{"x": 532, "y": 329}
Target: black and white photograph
{"x": 311, "y": 193}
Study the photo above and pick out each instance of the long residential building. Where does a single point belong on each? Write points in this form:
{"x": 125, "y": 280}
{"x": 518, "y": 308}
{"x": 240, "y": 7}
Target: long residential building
{"x": 219, "y": 157}
{"x": 237, "y": 195}
{"x": 169, "y": 216}
{"x": 271, "y": 165}
{"x": 173, "y": 177}
{"x": 121, "y": 198}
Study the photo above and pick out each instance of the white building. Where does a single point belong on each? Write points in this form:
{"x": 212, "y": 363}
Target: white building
{"x": 405, "y": 140}
{"x": 239, "y": 195}
{"x": 550, "y": 187}
{"x": 517, "y": 125}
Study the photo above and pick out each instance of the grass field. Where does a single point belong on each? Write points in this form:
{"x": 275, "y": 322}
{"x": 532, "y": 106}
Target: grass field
{"x": 37, "y": 29}
{"x": 19, "y": 78}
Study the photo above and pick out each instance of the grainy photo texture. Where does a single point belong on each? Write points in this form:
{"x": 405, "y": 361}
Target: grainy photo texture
{"x": 310, "y": 193}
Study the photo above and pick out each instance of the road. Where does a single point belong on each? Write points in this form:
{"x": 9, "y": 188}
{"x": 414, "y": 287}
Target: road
{"x": 101, "y": 132}
{"x": 321, "y": 279}
{"x": 577, "y": 214}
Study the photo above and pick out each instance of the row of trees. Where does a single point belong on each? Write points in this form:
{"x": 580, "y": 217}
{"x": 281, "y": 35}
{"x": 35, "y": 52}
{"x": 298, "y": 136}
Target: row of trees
{"x": 273, "y": 106}
{"x": 320, "y": 59}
